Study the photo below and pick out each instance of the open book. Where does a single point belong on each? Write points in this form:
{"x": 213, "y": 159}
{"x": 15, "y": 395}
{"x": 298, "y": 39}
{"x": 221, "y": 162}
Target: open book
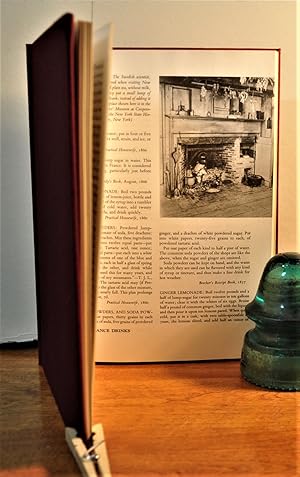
{"x": 189, "y": 204}
{"x": 154, "y": 194}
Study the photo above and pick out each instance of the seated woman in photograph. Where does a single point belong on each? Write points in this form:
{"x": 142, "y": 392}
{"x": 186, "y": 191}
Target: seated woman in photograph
{"x": 200, "y": 171}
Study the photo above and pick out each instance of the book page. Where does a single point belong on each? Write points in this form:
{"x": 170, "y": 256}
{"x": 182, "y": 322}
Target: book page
{"x": 189, "y": 210}
{"x": 102, "y": 63}
{"x": 93, "y": 66}
{"x": 84, "y": 102}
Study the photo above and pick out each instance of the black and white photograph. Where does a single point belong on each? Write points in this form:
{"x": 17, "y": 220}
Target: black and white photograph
{"x": 217, "y": 146}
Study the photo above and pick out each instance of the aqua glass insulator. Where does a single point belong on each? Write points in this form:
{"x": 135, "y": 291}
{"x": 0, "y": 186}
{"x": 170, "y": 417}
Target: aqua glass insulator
{"x": 271, "y": 351}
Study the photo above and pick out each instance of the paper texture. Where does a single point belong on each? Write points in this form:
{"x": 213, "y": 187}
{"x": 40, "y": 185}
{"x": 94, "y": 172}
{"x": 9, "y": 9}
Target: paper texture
{"x": 184, "y": 235}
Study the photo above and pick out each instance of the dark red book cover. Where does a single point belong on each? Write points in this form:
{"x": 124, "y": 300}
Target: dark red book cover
{"x": 52, "y": 115}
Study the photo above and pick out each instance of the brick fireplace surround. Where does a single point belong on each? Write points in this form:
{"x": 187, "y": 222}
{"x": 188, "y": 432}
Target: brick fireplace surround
{"x": 223, "y": 138}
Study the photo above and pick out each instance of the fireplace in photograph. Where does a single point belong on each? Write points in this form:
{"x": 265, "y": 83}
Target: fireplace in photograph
{"x": 212, "y": 161}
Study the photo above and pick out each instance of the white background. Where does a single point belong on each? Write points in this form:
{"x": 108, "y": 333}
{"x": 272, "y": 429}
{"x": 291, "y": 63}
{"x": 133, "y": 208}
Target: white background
{"x": 167, "y": 23}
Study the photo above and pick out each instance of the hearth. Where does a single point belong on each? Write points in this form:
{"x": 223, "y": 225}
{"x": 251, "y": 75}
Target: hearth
{"x": 209, "y": 162}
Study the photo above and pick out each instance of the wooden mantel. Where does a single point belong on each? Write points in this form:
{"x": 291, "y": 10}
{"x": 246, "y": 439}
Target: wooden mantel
{"x": 212, "y": 118}
{"x": 210, "y": 125}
